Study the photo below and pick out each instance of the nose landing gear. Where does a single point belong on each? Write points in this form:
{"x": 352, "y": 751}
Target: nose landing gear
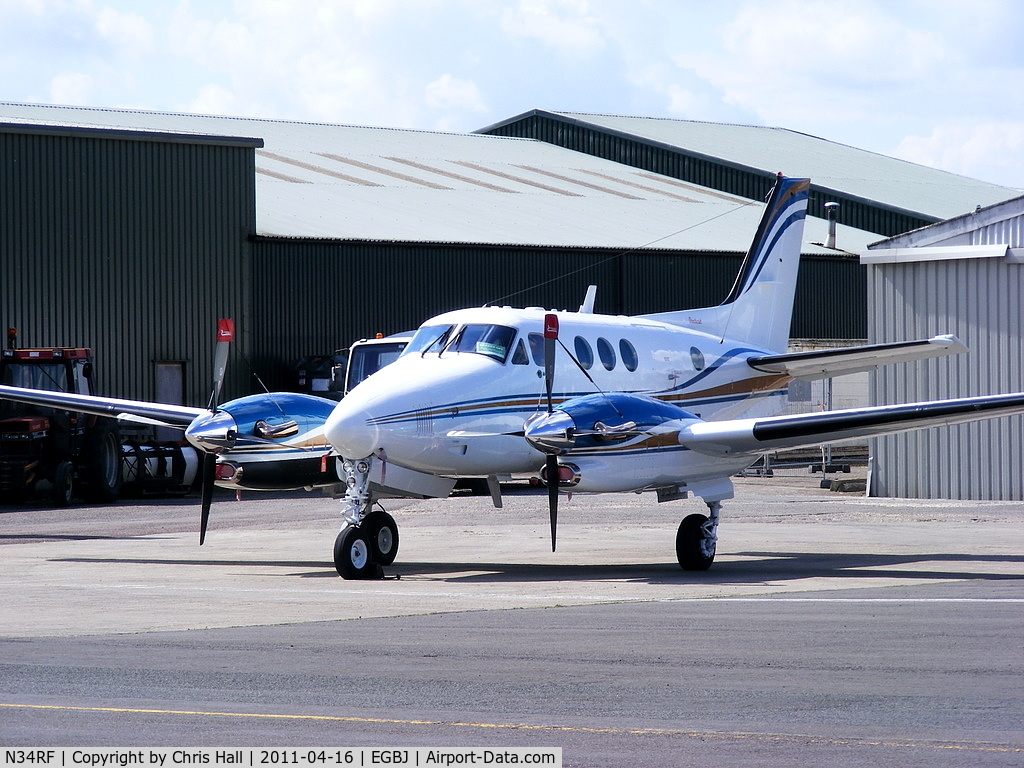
{"x": 369, "y": 540}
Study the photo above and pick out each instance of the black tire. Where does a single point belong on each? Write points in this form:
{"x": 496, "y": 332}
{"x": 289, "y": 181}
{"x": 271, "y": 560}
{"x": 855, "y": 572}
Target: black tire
{"x": 63, "y": 484}
{"x": 688, "y": 541}
{"x": 353, "y": 554}
{"x": 102, "y": 462}
{"x": 382, "y": 532}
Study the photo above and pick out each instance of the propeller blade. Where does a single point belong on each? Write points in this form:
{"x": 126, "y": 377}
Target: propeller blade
{"x": 225, "y": 335}
{"x": 209, "y": 474}
{"x": 552, "y": 479}
{"x": 550, "y": 337}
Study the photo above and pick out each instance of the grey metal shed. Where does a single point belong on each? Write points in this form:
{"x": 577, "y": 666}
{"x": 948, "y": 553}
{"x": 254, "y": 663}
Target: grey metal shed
{"x": 962, "y": 276}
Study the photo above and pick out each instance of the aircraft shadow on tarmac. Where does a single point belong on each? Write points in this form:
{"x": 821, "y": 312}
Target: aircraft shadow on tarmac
{"x": 762, "y": 567}
{"x": 22, "y": 538}
{"x": 755, "y": 568}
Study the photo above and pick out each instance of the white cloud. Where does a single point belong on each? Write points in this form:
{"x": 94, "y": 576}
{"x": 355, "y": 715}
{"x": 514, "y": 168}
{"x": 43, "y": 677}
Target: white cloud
{"x": 568, "y": 26}
{"x": 128, "y": 33}
{"x": 71, "y": 88}
{"x": 214, "y": 99}
{"x": 993, "y": 151}
{"x": 449, "y": 92}
{"x": 794, "y": 61}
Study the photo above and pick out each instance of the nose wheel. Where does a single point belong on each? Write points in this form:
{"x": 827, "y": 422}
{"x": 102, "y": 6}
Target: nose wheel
{"x": 382, "y": 532}
{"x": 361, "y": 551}
{"x": 353, "y": 555}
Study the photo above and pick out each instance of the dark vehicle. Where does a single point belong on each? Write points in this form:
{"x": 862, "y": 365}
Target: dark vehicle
{"x": 74, "y": 454}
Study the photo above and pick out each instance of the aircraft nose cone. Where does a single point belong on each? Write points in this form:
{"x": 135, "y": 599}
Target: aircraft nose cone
{"x": 213, "y": 432}
{"x": 351, "y": 431}
{"x": 551, "y": 432}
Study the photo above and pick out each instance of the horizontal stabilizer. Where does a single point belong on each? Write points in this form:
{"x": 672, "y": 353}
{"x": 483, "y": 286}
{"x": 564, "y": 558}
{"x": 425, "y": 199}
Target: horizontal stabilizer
{"x": 753, "y": 436}
{"x": 836, "y": 362}
{"x": 169, "y": 415}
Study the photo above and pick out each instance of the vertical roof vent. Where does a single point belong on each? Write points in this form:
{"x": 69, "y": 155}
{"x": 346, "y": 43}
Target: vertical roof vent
{"x": 831, "y": 209}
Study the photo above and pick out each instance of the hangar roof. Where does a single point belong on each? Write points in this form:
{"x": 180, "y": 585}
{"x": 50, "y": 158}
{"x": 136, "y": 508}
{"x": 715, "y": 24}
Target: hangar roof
{"x": 359, "y": 183}
{"x": 1000, "y": 225}
{"x": 828, "y": 164}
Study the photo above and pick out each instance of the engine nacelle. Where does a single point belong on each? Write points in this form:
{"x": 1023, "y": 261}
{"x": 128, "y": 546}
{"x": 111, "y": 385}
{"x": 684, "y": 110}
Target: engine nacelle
{"x": 620, "y": 442}
{"x": 601, "y": 422}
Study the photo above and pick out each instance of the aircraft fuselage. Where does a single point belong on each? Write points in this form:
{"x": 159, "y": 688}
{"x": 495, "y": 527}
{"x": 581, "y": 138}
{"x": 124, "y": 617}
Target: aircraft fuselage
{"x": 456, "y": 402}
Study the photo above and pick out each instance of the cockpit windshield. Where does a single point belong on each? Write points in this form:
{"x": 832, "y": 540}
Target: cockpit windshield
{"x": 429, "y": 338}
{"x": 494, "y": 341}
{"x": 491, "y": 340}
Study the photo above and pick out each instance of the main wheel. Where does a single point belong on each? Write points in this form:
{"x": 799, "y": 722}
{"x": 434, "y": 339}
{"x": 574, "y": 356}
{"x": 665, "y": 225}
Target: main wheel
{"x": 353, "y": 554}
{"x": 689, "y": 538}
{"x": 382, "y": 532}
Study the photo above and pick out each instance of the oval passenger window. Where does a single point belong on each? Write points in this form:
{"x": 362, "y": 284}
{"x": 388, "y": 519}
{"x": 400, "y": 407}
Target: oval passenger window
{"x": 628, "y": 354}
{"x": 584, "y": 354}
{"x": 606, "y": 353}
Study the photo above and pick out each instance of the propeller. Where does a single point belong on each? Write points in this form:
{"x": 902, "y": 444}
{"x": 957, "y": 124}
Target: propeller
{"x": 551, "y": 461}
{"x": 225, "y": 335}
{"x": 209, "y": 475}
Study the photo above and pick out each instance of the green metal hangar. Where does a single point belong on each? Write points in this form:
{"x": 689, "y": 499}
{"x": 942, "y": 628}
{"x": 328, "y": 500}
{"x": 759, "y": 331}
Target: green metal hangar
{"x": 132, "y": 232}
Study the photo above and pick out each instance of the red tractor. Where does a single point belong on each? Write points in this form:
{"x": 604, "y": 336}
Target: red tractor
{"x": 75, "y": 455}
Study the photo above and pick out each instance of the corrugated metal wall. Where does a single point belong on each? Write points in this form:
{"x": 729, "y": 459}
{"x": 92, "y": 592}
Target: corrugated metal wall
{"x": 313, "y": 297}
{"x": 132, "y": 244}
{"x": 715, "y": 173}
{"x": 1009, "y": 230}
{"x": 980, "y": 300}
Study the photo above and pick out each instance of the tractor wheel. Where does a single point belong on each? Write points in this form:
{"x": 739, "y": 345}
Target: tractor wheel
{"x": 63, "y": 484}
{"x": 101, "y": 468}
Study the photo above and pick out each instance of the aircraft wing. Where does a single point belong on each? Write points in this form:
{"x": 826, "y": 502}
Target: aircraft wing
{"x": 835, "y": 362}
{"x": 724, "y": 438}
{"x": 169, "y": 415}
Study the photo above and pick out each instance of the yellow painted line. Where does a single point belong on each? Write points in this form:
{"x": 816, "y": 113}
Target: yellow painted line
{"x": 723, "y": 735}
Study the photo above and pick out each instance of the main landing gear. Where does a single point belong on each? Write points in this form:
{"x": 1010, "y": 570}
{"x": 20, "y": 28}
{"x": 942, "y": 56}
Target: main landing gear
{"x": 369, "y": 540}
{"x": 696, "y": 539}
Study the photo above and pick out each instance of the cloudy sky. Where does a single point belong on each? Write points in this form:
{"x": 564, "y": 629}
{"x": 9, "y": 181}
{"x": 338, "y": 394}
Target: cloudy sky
{"x": 938, "y": 82}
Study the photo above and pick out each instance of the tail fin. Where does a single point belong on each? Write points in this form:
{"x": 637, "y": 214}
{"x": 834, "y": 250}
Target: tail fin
{"x": 759, "y": 308}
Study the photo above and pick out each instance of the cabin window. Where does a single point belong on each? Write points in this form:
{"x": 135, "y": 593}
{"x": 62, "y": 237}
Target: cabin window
{"x": 697, "y": 358}
{"x": 606, "y": 353}
{"x": 489, "y": 340}
{"x": 628, "y": 354}
{"x": 584, "y": 354}
{"x": 429, "y": 338}
{"x": 519, "y": 357}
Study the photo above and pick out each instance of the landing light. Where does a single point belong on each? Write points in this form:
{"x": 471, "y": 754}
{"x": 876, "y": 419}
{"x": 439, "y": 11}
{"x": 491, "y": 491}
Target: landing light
{"x": 228, "y": 471}
{"x": 568, "y": 475}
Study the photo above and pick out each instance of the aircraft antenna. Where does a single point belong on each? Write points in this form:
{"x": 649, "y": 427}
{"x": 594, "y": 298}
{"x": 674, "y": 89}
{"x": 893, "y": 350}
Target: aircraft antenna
{"x": 266, "y": 389}
{"x": 620, "y": 254}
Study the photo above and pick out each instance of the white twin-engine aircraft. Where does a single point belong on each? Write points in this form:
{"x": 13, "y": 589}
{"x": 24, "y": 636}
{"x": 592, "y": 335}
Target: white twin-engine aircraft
{"x": 675, "y": 402}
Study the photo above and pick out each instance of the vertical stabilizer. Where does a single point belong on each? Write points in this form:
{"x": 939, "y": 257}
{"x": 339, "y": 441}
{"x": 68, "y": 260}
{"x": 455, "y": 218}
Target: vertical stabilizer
{"x": 759, "y": 308}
